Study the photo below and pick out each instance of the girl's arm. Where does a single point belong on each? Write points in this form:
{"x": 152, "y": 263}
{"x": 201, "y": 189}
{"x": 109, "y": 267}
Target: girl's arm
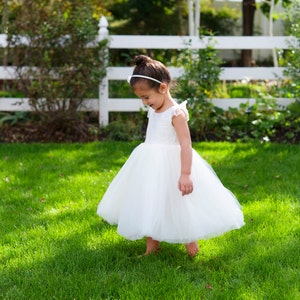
{"x": 185, "y": 183}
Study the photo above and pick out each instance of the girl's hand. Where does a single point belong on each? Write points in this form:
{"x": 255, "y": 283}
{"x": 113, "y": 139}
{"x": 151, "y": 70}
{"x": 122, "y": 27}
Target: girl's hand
{"x": 185, "y": 184}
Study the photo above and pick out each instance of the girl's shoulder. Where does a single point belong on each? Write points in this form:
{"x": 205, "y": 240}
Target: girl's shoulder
{"x": 177, "y": 109}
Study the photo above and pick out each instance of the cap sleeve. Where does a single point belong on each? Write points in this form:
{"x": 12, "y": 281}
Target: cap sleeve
{"x": 181, "y": 107}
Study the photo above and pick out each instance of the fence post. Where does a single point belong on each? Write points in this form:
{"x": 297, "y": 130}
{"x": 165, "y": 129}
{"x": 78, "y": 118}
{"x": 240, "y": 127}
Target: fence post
{"x": 103, "y": 85}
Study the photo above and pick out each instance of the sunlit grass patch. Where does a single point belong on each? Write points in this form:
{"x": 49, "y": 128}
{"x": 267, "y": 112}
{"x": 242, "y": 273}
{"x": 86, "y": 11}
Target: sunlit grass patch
{"x": 54, "y": 246}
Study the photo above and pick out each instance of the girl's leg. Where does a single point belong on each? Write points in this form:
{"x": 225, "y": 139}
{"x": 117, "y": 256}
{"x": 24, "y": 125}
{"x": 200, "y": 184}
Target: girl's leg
{"x": 152, "y": 245}
{"x": 192, "y": 248}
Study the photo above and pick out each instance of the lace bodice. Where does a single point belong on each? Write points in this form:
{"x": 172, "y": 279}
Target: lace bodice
{"x": 160, "y": 129}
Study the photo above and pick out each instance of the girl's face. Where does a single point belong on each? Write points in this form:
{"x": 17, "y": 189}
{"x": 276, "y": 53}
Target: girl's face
{"x": 150, "y": 97}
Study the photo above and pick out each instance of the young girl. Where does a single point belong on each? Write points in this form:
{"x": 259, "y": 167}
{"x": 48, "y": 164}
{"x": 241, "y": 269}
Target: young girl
{"x": 166, "y": 191}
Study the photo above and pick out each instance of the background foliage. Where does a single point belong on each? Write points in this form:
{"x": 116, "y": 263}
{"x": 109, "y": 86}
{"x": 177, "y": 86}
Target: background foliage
{"x": 55, "y": 68}
{"x": 197, "y": 85}
{"x": 78, "y": 70}
{"x": 293, "y": 56}
{"x": 167, "y": 17}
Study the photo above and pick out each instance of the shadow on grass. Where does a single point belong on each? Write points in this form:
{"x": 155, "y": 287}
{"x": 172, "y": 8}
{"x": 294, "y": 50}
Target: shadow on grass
{"x": 112, "y": 269}
{"x": 35, "y": 178}
{"x": 90, "y": 261}
{"x": 244, "y": 169}
{"x": 255, "y": 170}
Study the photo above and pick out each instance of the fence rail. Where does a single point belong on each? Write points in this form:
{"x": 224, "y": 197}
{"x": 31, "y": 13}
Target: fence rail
{"x": 104, "y": 104}
{"x": 107, "y": 104}
{"x": 193, "y": 42}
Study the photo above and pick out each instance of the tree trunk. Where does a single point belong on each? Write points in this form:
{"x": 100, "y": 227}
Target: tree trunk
{"x": 180, "y": 9}
{"x": 248, "y": 26}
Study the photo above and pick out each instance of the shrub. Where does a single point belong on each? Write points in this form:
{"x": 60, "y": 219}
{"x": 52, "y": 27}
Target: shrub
{"x": 197, "y": 85}
{"x": 13, "y": 118}
{"x": 293, "y": 57}
{"x": 262, "y": 121}
{"x": 55, "y": 68}
{"x": 126, "y": 126}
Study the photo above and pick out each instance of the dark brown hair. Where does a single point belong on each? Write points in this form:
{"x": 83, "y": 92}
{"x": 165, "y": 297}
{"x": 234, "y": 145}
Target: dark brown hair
{"x": 145, "y": 65}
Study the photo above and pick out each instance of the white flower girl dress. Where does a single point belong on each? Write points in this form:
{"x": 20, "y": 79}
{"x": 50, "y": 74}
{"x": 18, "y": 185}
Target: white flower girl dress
{"x": 144, "y": 199}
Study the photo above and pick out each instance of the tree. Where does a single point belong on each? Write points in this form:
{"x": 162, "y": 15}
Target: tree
{"x": 248, "y": 9}
{"x": 56, "y": 70}
{"x": 154, "y": 17}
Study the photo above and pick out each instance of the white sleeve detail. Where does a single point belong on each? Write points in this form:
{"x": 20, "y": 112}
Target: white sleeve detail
{"x": 181, "y": 108}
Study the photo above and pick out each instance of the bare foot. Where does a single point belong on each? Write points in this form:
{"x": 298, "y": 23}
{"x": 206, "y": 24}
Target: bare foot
{"x": 152, "y": 246}
{"x": 192, "y": 248}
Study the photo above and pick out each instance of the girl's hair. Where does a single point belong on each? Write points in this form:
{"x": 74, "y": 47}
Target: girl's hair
{"x": 146, "y": 66}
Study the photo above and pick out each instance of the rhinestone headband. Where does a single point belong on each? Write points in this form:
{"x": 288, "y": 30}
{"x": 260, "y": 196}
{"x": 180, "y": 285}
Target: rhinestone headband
{"x": 142, "y": 76}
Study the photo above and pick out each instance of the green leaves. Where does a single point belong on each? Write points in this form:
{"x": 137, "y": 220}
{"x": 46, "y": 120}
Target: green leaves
{"x": 197, "y": 85}
{"x": 293, "y": 57}
{"x": 62, "y": 69}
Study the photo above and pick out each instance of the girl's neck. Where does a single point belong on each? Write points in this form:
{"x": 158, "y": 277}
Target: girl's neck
{"x": 167, "y": 103}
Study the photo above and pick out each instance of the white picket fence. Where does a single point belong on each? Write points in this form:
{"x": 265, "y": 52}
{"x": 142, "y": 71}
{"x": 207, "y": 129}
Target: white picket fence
{"x": 104, "y": 104}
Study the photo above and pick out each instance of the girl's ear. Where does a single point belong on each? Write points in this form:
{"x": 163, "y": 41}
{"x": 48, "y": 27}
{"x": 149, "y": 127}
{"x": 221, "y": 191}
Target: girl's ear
{"x": 163, "y": 88}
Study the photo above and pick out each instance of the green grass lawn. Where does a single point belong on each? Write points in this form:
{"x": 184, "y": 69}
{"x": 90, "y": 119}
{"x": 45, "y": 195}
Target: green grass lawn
{"x": 54, "y": 246}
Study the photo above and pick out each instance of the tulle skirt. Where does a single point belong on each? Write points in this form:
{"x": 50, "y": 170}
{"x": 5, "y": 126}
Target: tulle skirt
{"x": 144, "y": 199}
